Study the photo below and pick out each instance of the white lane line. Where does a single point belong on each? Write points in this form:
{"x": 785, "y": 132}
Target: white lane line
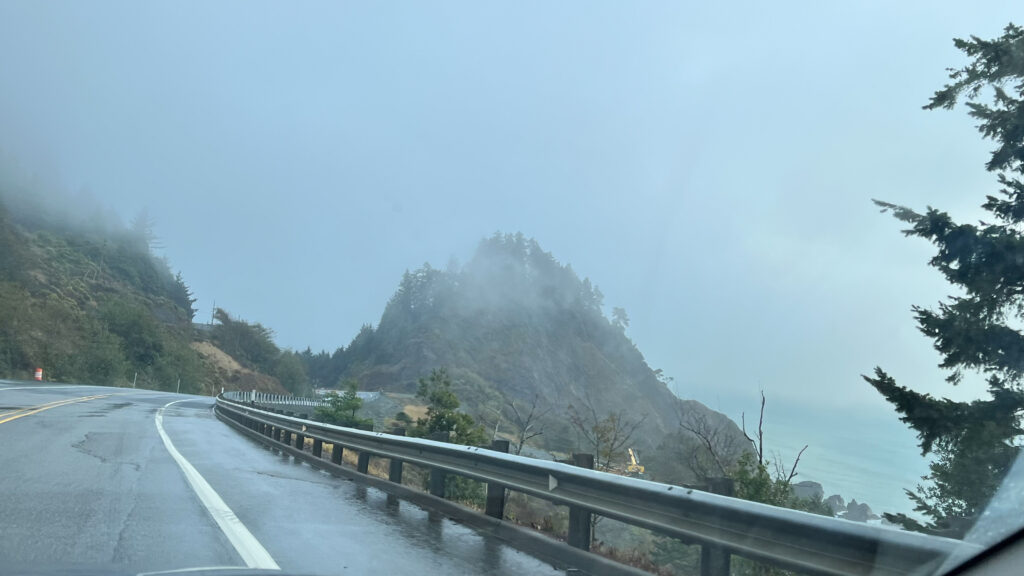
{"x": 248, "y": 547}
{"x": 196, "y": 569}
{"x": 43, "y": 387}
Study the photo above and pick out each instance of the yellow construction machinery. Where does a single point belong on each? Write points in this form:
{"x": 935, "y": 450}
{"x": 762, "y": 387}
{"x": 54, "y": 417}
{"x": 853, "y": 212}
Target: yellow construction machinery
{"x": 634, "y": 468}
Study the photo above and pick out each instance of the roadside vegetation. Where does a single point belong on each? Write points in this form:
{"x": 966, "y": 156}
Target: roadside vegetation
{"x": 92, "y": 306}
{"x": 342, "y": 409}
{"x": 87, "y": 300}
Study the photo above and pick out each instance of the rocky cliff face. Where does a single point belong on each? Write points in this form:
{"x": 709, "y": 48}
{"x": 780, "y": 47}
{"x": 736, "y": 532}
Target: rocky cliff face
{"x": 513, "y": 325}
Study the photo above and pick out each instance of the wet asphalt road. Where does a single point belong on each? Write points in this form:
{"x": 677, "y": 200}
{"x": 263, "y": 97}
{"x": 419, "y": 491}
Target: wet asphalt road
{"x": 90, "y": 484}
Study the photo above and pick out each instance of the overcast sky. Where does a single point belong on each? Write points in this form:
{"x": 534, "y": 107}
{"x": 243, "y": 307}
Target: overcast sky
{"x": 709, "y": 165}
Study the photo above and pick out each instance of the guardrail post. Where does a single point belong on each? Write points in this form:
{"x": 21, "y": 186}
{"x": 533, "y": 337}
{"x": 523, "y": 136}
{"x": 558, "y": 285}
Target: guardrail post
{"x": 337, "y": 450}
{"x": 300, "y": 442}
{"x": 580, "y": 526}
{"x": 318, "y": 447}
{"x": 437, "y": 476}
{"x": 437, "y": 482}
{"x": 495, "y": 507}
{"x": 363, "y": 465}
{"x": 715, "y": 561}
{"x": 395, "y": 466}
{"x": 277, "y": 433}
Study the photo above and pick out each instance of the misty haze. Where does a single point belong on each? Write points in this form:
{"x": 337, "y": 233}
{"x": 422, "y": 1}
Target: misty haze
{"x": 719, "y": 248}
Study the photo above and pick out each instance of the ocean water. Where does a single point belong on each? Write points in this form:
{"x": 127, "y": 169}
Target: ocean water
{"x": 872, "y": 458}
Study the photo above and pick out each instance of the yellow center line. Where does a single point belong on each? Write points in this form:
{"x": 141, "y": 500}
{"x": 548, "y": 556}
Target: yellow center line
{"x": 7, "y": 417}
{"x": 61, "y": 401}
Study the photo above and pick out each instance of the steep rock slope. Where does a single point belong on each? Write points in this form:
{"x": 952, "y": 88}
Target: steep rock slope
{"x": 512, "y": 324}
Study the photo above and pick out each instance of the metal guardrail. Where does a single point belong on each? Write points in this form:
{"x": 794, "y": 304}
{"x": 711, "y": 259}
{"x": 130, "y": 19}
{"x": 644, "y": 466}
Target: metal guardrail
{"x": 253, "y": 396}
{"x": 787, "y": 538}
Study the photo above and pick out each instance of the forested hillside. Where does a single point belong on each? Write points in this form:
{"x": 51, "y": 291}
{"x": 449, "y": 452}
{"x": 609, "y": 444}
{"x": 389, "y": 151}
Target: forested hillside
{"x": 510, "y": 326}
{"x": 85, "y": 299}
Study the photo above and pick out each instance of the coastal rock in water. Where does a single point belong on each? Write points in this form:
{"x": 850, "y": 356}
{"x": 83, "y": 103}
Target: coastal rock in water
{"x": 859, "y": 512}
{"x": 808, "y": 490}
{"x": 836, "y": 503}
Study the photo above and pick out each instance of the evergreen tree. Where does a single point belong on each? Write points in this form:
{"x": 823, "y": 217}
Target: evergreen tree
{"x": 619, "y": 318}
{"x": 442, "y": 411}
{"x": 291, "y": 373}
{"x": 251, "y": 344}
{"x": 183, "y": 296}
{"x": 443, "y": 416}
{"x": 342, "y": 408}
{"x": 974, "y": 443}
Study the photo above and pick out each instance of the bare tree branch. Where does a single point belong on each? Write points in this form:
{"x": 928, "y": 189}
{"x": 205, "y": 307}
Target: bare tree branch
{"x": 622, "y": 431}
{"x": 497, "y": 422}
{"x": 760, "y": 432}
{"x": 697, "y": 425}
{"x": 759, "y": 443}
{"x": 792, "y": 471}
{"x": 606, "y": 436}
{"x": 743, "y": 421}
{"x": 529, "y": 426}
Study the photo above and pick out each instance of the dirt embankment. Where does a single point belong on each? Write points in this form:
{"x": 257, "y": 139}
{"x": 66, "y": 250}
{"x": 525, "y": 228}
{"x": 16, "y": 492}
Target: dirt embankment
{"x": 231, "y": 375}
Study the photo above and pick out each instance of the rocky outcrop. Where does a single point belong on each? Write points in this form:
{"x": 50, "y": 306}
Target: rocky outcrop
{"x": 808, "y": 490}
{"x": 836, "y": 504}
{"x": 858, "y": 512}
{"x": 515, "y": 325}
{"x": 854, "y": 511}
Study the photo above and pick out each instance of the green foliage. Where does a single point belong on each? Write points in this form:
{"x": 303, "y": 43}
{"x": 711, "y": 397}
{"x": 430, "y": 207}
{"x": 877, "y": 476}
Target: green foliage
{"x": 181, "y": 295}
{"x": 54, "y": 334}
{"x": 141, "y": 336}
{"x": 442, "y": 412}
{"x": 12, "y": 251}
{"x": 343, "y": 408}
{"x": 320, "y": 367}
{"x": 103, "y": 346}
{"x": 102, "y": 361}
{"x": 251, "y": 344}
{"x": 291, "y": 373}
{"x": 619, "y": 318}
{"x": 606, "y": 437}
{"x": 90, "y": 305}
{"x": 754, "y": 482}
{"x": 973, "y": 443}
{"x": 443, "y": 417}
